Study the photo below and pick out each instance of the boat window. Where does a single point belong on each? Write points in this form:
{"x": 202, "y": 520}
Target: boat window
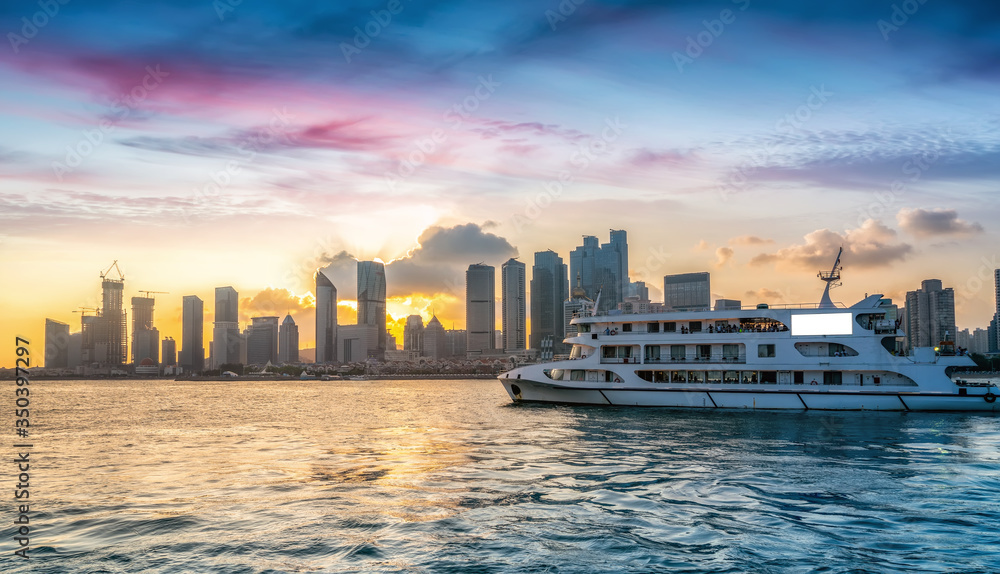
{"x": 798, "y": 377}
{"x": 678, "y": 376}
{"x": 670, "y": 327}
{"x": 731, "y": 377}
{"x": 713, "y": 377}
{"x": 765, "y": 351}
{"x": 694, "y": 326}
{"x": 626, "y": 327}
{"x": 608, "y": 352}
{"x": 576, "y": 352}
{"x": 578, "y": 375}
{"x": 696, "y": 376}
{"x": 583, "y": 328}
{"x": 833, "y": 378}
{"x": 677, "y": 352}
{"x": 704, "y": 352}
{"x": 749, "y": 377}
{"x": 652, "y": 327}
{"x": 769, "y": 377}
{"x": 554, "y": 374}
{"x": 660, "y": 376}
{"x": 645, "y": 375}
{"x": 730, "y": 352}
{"x": 652, "y": 352}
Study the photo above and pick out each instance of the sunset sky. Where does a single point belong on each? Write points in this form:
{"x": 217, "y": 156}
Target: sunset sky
{"x": 249, "y": 143}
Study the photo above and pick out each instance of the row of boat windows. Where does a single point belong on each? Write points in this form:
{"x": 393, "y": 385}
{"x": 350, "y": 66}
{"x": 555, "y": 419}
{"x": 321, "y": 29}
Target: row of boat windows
{"x": 729, "y": 351}
{"x": 752, "y": 325}
{"x": 736, "y": 377}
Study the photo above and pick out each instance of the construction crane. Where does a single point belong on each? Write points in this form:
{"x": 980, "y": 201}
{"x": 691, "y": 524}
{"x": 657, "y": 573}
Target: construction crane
{"x": 121, "y": 276}
{"x": 148, "y": 293}
{"x": 83, "y": 310}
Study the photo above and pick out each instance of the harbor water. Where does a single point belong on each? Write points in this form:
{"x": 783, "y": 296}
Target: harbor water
{"x": 450, "y": 476}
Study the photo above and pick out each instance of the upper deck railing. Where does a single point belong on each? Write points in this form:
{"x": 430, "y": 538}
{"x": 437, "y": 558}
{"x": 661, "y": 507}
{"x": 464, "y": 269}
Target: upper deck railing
{"x": 758, "y": 307}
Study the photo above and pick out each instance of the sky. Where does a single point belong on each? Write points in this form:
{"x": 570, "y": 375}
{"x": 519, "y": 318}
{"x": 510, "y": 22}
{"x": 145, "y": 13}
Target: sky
{"x": 248, "y": 143}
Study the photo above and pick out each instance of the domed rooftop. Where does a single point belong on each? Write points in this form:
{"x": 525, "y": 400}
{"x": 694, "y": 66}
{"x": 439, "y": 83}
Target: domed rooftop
{"x": 147, "y": 362}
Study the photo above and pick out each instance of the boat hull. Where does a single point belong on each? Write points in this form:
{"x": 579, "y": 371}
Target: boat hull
{"x": 523, "y": 390}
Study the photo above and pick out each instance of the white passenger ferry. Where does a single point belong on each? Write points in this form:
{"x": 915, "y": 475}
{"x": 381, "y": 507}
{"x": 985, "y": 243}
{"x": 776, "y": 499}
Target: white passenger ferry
{"x": 824, "y": 356}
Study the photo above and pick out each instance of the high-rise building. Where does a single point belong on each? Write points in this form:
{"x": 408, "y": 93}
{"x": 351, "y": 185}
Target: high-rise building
{"x": 192, "y": 358}
{"x": 356, "y": 342}
{"x": 227, "y": 342}
{"x": 326, "y": 319}
{"x": 145, "y": 337}
{"x": 262, "y": 341}
{"x": 602, "y": 269}
{"x": 687, "y": 291}
{"x": 56, "y": 344}
{"x": 371, "y": 302}
{"x": 930, "y": 315}
{"x": 435, "y": 341}
{"x": 582, "y": 264}
{"x": 549, "y": 291}
{"x": 455, "y": 341}
{"x": 979, "y": 343}
{"x": 111, "y": 340}
{"x": 480, "y": 308}
{"x": 288, "y": 341}
{"x": 512, "y": 306}
{"x": 637, "y": 291}
{"x": 168, "y": 356}
{"x": 994, "y": 343}
{"x": 413, "y": 334}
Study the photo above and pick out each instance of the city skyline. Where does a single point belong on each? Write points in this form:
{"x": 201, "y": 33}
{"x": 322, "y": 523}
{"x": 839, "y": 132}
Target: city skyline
{"x": 748, "y": 139}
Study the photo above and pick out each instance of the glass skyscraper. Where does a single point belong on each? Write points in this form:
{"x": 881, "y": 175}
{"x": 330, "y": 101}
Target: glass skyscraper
{"x": 371, "y": 302}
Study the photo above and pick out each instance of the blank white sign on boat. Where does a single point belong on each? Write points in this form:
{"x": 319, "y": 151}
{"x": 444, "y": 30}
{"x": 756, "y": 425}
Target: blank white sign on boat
{"x": 821, "y": 324}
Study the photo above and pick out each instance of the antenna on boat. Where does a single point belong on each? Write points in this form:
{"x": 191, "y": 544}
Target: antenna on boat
{"x": 832, "y": 279}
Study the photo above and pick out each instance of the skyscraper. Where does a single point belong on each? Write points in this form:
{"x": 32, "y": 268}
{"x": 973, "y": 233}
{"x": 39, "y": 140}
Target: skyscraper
{"x": 169, "y": 352}
{"x": 435, "y": 341}
{"x": 602, "y": 268}
{"x": 227, "y": 343}
{"x": 145, "y": 337}
{"x": 512, "y": 306}
{"x": 288, "y": 341}
{"x": 549, "y": 291}
{"x": 480, "y": 308}
{"x": 413, "y": 334}
{"x": 930, "y": 315}
{"x": 326, "y": 319}
{"x": 262, "y": 341}
{"x": 371, "y": 302}
{"x": 687, "y": 291}
{"x": 111, "y": 340}
{"x": 994, "y": 342}
{"x": 583, "y": 264}
{"x": 56, "y": 344}
{"x": 192, "y": 335}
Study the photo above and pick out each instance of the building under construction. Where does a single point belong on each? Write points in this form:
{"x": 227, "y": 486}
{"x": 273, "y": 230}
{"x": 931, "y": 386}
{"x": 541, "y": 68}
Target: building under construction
{"x": 110, "y": 336}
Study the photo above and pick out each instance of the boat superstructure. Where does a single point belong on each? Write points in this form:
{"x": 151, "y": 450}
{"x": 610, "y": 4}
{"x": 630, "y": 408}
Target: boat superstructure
{"x": 819, "y": 356}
